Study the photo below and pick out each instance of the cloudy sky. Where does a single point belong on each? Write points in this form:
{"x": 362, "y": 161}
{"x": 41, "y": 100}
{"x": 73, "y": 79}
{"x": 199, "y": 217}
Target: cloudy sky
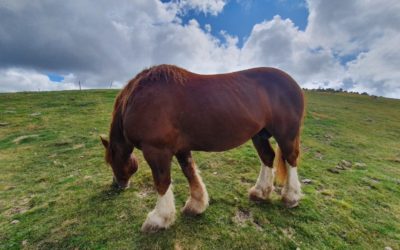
{"x": 52, "y": 45}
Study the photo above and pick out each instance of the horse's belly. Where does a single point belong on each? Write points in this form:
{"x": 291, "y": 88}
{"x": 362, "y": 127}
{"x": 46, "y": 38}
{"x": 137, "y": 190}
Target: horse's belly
{"x": 214, "y": 146}
{"x": 222, "y": 138}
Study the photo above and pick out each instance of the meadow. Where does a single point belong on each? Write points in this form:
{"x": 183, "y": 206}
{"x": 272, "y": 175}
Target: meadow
{"x": 55, "y": 188}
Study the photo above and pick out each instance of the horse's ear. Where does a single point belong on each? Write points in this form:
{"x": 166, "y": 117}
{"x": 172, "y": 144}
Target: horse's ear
{"x": 104, "y": 141}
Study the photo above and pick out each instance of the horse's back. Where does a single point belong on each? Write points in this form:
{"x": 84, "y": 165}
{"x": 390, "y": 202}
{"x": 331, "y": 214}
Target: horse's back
{"x": 233, "y": 107}
{"x": 212, "y": 112}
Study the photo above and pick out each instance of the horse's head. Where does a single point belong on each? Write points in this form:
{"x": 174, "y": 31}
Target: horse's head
{"x": 122, "y": 162}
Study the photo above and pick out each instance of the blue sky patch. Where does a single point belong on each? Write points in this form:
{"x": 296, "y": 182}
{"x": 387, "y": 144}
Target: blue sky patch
{"x": 55, "y": 78}
{"x": 239, "y": 16}
{"x": 347, "y": 58}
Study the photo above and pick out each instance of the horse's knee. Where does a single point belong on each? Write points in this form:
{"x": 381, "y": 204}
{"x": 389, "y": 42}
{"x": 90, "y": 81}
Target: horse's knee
{"x": 264, "y": 149}
{"x": 269, "y": 159}
{"x": 162, "y": 187}
{"x": 292, "y": 159}
{"x": 160, "y": 164}
{"x": 162, "y": 178}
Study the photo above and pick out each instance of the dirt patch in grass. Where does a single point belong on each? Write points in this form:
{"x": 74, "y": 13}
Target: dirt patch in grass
{"x": 288, "y": 232}
{"x": 62, "y": 143}
{"x": 244, "y": 217}
{"x": 145, "y": 191}
{"x": 319, "y": 116}
{"x": 24, "y": 138}
{"x": 19, "y": 207}
{"x": 78, "y": 146}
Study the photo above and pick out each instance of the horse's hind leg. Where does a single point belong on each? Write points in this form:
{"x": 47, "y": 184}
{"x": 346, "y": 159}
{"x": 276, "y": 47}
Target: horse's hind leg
{"x": 291, "y": 192}
{"x": 198, "y": 200}
{"x": 163, "y": 215}
{"x": 265, "y": 182}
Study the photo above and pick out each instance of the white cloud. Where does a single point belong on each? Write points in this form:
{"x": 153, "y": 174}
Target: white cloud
{"x": 106, "y": 42}
{"x": 280, "y": 44}
{"x": 97, "y": 44}
{"x": 193, "y": 48}
{"x": 367, "y": 28}
{"x": 351, "y": 26}
{"x": 13, "y": 79}
{"x": 377, "y": 70}
{"x": 335, "y": 29}
{"x": 212, "y": 7}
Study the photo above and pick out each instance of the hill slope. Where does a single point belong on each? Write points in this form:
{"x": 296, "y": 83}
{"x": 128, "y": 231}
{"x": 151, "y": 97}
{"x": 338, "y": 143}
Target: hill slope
{"x": 55, "y": 187}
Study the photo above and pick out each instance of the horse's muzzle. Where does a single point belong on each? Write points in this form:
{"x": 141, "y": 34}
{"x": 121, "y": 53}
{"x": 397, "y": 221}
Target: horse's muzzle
{"x": 120, "y": 184}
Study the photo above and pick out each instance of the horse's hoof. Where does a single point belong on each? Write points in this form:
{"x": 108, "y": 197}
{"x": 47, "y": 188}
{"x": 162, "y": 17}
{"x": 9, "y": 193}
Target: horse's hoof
{"x": 190, "y": 211}
{"x": 194, "y": 207}
{"x": 151, "y": 228}
{"x": 256, "y": 194}
{"x": 156, "y": 222}
{"x": 290, "y": 203}
{"x": 255, "y": 197}
{"x": 260, "y": 195}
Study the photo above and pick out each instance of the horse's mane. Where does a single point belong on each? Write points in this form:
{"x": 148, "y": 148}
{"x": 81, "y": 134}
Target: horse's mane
{"x": 163, "y": 73}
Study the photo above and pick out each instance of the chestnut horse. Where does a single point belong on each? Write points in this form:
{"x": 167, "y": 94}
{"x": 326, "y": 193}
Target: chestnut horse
{"x": 167, "y": 111}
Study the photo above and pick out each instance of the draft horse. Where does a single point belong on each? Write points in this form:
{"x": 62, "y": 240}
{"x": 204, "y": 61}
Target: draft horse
{"x": 167, "y": 111}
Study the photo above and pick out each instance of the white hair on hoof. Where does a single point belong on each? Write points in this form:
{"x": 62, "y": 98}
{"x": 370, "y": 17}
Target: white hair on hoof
{"x": 198, "y": 200}
{"x": 291, "y": 192}
{"x": 163, "y": 215}
{"x": 265, "y": 184}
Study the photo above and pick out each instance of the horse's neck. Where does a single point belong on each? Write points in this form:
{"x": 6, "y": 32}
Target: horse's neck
{"x": 116, "y": 129}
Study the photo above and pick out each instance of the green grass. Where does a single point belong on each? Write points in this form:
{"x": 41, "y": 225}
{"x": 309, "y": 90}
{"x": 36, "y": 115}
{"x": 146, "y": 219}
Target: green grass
{"x": 55, "y": 185}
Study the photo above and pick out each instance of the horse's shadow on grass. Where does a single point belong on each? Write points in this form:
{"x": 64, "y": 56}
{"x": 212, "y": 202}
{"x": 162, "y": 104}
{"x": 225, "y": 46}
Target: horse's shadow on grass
{"x": 82, "y": 217}
{"x": 106, "y": 199}
{"x": 200, "y": 227}
{"x": 108, "y": 194}
{"x": 185, "y": 227}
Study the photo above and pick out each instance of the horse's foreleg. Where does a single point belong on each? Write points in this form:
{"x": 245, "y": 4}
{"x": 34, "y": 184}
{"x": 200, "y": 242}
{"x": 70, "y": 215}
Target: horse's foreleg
{"x": 198, "y": 200}
{"x": 265, "y": 182}
{"x": 163, "y": 215}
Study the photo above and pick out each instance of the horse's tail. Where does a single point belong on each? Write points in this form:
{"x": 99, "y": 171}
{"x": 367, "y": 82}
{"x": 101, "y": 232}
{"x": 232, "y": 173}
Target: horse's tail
{"x": 281, "y": 170}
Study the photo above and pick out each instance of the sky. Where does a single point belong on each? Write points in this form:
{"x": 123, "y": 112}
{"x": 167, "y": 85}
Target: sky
{"x": 54, "y": 45}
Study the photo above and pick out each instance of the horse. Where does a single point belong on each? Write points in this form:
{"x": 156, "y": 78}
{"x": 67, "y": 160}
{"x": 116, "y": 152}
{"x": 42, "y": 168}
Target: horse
{"x": 167, "y": 111}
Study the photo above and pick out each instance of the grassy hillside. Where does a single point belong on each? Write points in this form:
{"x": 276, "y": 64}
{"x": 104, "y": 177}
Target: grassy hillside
{"x": 55, "y": 187}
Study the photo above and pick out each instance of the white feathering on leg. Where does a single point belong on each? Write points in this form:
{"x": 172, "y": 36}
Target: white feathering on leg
{"x": 291, "y": 192}
{"x": 198, "y": 200}
{"x": 265, "y": 183}
{"x": 163, "y": 215}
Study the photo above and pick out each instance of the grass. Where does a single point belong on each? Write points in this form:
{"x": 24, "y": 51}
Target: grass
{"x": 55, "y": 187}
